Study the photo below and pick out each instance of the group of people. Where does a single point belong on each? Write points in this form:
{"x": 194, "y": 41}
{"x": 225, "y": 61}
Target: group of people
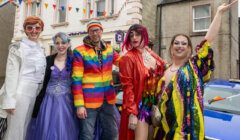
{"x": 70, "y": 95}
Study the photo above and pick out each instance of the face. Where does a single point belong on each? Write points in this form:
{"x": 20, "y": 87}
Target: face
{"x": 33, "y": 31}
{"x": 61, "y": 46}
{"x": 135, "y": 39}
{"x": 95, "y": 33}
{"x": 180, "y": 48}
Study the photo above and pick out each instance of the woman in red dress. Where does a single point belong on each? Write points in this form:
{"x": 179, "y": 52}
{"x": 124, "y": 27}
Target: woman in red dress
{"x": 140, "y": 69}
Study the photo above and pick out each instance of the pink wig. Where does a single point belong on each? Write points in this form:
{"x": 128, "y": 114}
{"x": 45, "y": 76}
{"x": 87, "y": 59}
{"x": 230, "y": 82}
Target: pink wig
{"x": 139, "y": 29}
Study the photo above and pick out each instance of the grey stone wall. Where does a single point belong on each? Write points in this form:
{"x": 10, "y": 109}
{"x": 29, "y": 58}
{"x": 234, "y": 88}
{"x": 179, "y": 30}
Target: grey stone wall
{"x": 149, "y": 17}
{"x": 177, "y": 18}
{"x": 234, "y": 42}
{"x": 7, "y": 16}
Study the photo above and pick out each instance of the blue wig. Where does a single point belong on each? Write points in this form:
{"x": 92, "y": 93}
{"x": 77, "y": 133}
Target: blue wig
{"x": 65, "y": 38}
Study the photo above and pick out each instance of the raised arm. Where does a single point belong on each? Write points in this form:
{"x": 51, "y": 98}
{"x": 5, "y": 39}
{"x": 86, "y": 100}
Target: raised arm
{"x": 215, "y": 25}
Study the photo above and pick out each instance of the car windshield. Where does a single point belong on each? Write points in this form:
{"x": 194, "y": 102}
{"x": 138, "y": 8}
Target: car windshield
{"x": 230, "y": 103}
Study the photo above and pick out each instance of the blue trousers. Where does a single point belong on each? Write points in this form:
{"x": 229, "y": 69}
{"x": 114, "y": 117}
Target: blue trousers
{"x": 108, "y": 122}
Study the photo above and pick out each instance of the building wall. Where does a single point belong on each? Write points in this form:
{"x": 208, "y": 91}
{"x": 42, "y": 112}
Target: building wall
{"x": 234, "y": 42}
{"x": 149, "y": 17}
{"x": 76, "y": 23}
{"x": 177, "y": 18}
{"x": 7, "y": 13}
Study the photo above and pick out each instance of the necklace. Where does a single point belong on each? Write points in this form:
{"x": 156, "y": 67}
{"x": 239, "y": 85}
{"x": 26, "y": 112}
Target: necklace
{"x": 173, "y": 70}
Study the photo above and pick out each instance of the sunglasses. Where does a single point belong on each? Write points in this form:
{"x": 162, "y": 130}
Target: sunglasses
{"x": 30, "y": 28}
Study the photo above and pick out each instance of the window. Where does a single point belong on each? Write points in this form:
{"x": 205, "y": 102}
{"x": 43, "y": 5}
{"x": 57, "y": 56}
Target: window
{"x": 33, "y": 8}
{"x": 62, "y": 11}
{"x": 100, "y": 8}
{"x": 201, "y": 18}
{"x": 89, "y": 9}
{"x": 111, "y": 7}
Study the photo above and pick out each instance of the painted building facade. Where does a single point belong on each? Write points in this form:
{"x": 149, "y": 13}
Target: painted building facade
{"x": 72, "y": 16}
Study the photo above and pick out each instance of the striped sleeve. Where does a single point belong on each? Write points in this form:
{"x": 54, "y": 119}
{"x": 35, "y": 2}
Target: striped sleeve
{"x": 204, "y": 60}
{"x": 77, "y": 75}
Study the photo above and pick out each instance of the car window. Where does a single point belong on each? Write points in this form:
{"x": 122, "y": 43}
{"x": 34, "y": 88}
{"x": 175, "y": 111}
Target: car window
{"x": 231, "y": 103}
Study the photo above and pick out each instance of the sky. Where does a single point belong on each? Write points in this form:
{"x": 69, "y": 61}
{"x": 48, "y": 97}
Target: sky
{"x": 238, "y": 8}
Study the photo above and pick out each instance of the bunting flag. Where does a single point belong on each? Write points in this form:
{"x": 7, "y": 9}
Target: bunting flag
{"x": 215, "y": 99}
{"x": 91, "y": 12}
{"x": 84, "y": 10}
{"x": 54, "y": 6}
{"x": 38, "y": 4}
{"x": 69, "y": 8}
{"x": 104, "y": 13}
{"x": 46, "y": 5}
{"x": 62, "y": 8}
{"x": 29, "y": 2}
{"x": 20, "y": 2}
{"x": 77, "y": 9}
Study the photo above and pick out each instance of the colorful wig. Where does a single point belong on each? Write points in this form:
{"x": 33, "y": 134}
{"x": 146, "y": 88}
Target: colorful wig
{"x": 31, "y": 20}
{"x": 65, "y": 38}
{"x": 139, "y": 29}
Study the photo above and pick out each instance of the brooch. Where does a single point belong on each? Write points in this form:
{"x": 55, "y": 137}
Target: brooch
{"x": 52, "y": 68}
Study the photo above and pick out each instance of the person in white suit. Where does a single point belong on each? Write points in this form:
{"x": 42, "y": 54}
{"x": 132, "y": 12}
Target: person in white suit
{"x": 24, "y": 76}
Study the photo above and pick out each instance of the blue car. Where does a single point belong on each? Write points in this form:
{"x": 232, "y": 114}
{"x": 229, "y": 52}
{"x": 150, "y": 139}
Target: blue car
{"x": 222, "y": 110}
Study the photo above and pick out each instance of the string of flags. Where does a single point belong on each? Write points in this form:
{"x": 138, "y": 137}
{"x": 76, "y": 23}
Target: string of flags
{"x": 63, "y": 8}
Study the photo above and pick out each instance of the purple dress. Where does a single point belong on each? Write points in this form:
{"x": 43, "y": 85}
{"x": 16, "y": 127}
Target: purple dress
{"x": 57, "y": 118}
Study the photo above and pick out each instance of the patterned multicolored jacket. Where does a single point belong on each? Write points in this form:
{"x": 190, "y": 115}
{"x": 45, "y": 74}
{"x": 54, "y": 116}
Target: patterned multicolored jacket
{"x": 91, "y": 80}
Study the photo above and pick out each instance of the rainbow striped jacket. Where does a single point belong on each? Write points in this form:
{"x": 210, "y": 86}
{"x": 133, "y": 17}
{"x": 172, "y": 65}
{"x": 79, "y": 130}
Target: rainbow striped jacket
{"x": 91, "y": 80}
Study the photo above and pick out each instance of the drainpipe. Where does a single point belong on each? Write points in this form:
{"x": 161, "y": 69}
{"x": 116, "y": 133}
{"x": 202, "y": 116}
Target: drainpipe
{"x": 159, "y": 29}
{"x": 238, "y": 45}
{"x": 230, "y": 38}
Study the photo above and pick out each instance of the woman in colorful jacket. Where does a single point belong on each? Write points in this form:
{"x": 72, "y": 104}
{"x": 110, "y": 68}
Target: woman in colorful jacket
{"x": 139, "y": 70}
{"x": 181, "y": 87}
{"x": 24, "y": 75}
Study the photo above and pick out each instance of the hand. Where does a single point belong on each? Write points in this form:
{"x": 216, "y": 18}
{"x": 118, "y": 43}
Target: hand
{"x": 224, "y": 7}
{"x": 132, "y": 122}
{"x": 81, "y": 113}
{"x": 10, "y": 111}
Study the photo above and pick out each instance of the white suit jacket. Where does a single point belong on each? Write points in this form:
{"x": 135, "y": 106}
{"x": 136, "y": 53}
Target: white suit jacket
{"x": 7, "y": 94}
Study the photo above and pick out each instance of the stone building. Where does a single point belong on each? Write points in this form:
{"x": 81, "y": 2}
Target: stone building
{"x": 193, "y": 18}
{"x": 7, "y": 16}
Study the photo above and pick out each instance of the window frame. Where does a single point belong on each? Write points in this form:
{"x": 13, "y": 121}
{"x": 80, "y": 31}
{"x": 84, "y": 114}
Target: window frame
{"x": 96, "y": 8}
{"x": 109, "y": 9}
{"x": 194, "y": 18}
{"x": 28, "y": 8}
{"x": 58, "y": 10}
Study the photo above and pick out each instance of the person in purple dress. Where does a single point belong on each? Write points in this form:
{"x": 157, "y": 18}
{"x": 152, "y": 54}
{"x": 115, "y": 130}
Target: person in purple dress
{"x": 54, "y": 116}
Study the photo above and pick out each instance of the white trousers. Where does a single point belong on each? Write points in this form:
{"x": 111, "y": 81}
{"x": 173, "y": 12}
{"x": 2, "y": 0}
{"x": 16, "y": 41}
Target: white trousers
{"x": 18, "y": 122}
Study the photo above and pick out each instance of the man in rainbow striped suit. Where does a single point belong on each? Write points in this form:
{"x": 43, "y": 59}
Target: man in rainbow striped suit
{"x": 92, "y": 87}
